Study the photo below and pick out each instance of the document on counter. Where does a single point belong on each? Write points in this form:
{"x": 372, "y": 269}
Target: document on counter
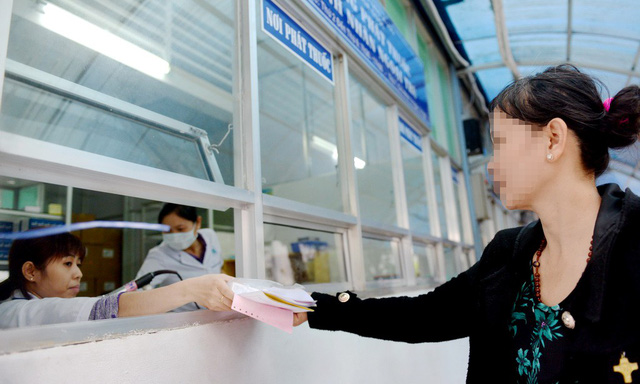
{"x": 270, "y": 302}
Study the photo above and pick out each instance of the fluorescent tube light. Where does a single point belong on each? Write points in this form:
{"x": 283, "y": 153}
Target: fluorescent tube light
{"x": 102, "y": 41}
{"x": 325, "y": 146}
{"x": 331, "y": 148}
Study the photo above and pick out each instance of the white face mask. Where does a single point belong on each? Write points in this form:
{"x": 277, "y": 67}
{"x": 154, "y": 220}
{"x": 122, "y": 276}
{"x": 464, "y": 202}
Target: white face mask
{"x": 179, "y": 241}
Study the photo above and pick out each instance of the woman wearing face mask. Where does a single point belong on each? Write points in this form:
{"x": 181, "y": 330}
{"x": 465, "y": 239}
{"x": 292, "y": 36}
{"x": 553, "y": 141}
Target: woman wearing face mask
{"x": 187, "y": 249}
{"x": 44, "y": 280}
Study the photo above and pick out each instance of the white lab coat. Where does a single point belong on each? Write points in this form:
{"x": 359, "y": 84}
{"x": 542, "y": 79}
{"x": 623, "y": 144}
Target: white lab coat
{"x": 17, "y": 311}
{"x": 164, "y": 257}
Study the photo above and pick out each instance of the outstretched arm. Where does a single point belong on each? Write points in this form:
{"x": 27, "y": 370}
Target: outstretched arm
{"x": 209, "y": 291}
{"x": 451, "y": 311}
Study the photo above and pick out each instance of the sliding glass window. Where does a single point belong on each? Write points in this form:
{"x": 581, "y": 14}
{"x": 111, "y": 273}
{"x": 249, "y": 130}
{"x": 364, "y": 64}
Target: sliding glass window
{"x": 437, "y": 180}
{"x": 372, "y": 155}
{"x": 414, "y": 179}
{"x": 381, "y": 259}
{"x": 298, "y": 129}
{"x": 146, "y": 82}
{"x": 425, "y": 262}
{"x": 306, "y": 256}
{"x": 457, "y": 191}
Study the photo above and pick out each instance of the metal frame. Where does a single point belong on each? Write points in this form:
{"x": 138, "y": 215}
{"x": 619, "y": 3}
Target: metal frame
{"x": 502, "y": 34}
{"x": 249, "y": 229}
{"x": 49, "y": 162}
{"x": 278, "y": 206}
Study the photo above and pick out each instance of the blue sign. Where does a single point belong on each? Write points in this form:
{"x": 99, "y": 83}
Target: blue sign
{"x": 366, "y": 26}
{"x": 5, "y": 245}
{"x": 279, "y": 25}
{"x": 409, "y": 134}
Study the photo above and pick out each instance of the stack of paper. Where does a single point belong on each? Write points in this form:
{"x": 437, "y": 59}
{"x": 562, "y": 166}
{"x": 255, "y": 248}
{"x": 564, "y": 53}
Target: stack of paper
{"x": 269, "y": 301}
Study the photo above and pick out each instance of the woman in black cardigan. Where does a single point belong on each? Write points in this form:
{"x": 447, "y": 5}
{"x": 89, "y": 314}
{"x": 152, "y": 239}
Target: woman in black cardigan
{"x": 557, "y": 300}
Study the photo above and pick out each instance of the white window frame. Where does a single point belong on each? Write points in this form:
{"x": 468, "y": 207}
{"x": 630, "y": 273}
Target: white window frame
{"x": 251, "y": 207}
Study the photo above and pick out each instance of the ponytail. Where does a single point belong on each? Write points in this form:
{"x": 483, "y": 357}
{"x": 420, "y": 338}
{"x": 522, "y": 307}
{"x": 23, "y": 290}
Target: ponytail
{"x": 621, "y": 121}
{"x": 6, "y": 288}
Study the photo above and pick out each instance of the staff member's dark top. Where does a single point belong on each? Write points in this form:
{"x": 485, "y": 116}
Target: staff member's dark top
{"x": 478, "y": 303}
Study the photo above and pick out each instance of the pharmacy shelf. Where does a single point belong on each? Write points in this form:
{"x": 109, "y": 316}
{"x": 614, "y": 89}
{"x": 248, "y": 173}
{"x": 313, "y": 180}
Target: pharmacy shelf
{"x": 11, "y": 212}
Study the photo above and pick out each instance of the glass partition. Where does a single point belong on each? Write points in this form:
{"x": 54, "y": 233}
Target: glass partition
{"x": 450, "y": 265}
{"x": 456, "y": 175}
{"x": 381, "y": 259}
{"x": 424, "y": 262}
{"x": 372, "y": 155}
{"x": 415, "y": 186}
{"x": 299, "y": 255}
{"x": 437, "y": 180}
{"x": 150, "y": 83}
{"x": 298, "y": 128}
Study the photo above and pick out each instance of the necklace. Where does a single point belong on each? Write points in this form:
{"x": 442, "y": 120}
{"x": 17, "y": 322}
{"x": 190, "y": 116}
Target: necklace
{"x": 536, "y": 265}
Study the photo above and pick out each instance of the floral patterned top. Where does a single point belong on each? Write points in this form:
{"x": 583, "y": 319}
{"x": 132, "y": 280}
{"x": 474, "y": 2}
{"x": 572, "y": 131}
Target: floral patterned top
{"x": 539, "y": 337}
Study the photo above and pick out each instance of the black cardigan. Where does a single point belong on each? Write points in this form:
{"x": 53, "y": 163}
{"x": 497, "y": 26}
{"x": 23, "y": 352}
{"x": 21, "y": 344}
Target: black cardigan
{"x": 478, "y": 303}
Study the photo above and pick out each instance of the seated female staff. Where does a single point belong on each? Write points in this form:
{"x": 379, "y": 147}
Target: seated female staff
{"x": 44, "y": 280}
{"x": 556, "y": 300}
{"x": 187, "y": 249}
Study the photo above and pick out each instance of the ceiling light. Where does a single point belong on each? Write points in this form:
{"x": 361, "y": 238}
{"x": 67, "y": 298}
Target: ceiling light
{"x": 102, "y": 41}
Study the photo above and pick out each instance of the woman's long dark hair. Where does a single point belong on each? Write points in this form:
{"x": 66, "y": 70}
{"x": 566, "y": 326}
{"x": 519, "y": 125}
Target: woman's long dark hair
{"x": 565, "y": 92}
{"x": 40, "y": 251}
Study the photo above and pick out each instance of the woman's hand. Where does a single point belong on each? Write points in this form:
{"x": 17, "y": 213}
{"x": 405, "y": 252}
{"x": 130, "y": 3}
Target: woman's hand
{"x": 299, "y": 318}
{"x": 211, "y": 291}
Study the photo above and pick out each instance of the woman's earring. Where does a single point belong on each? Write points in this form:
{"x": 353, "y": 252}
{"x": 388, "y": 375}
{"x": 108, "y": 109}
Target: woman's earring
{"x": 549, "y": 156}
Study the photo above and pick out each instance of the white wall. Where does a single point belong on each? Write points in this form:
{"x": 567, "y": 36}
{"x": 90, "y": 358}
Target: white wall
{"x": 240, "y": 351}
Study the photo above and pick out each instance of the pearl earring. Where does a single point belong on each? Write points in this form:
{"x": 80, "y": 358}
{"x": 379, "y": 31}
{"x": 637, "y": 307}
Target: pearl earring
{"x": 549, "y": 156}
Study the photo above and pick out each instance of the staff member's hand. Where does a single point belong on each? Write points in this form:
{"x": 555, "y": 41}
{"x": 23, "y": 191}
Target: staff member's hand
{"x": 209, "y": 291}
{"x": 212, "y": 291}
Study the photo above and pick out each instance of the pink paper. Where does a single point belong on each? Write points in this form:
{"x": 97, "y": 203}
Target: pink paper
{"x": 277, "y": 317}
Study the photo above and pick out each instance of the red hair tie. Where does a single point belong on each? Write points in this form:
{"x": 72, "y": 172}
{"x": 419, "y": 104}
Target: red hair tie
{"x": 607, "y": 104}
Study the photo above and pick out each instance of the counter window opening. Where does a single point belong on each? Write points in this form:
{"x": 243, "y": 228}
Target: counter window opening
{"x": 116, "y": 256}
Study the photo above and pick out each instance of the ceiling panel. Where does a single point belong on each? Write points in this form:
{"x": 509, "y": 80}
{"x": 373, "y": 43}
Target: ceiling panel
{"x": 494, "y": 80}
{"x": 603, "y": 51}
{"x": 540, "y": 47}
{"x": 535, "y": 16}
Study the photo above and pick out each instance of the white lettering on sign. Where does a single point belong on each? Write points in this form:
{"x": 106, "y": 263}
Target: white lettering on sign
{"x": 320, "y": 58}
{"x": 295, "y": 37}
{"x": 337, "y": 5}
{"x": 274, "y": 20}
